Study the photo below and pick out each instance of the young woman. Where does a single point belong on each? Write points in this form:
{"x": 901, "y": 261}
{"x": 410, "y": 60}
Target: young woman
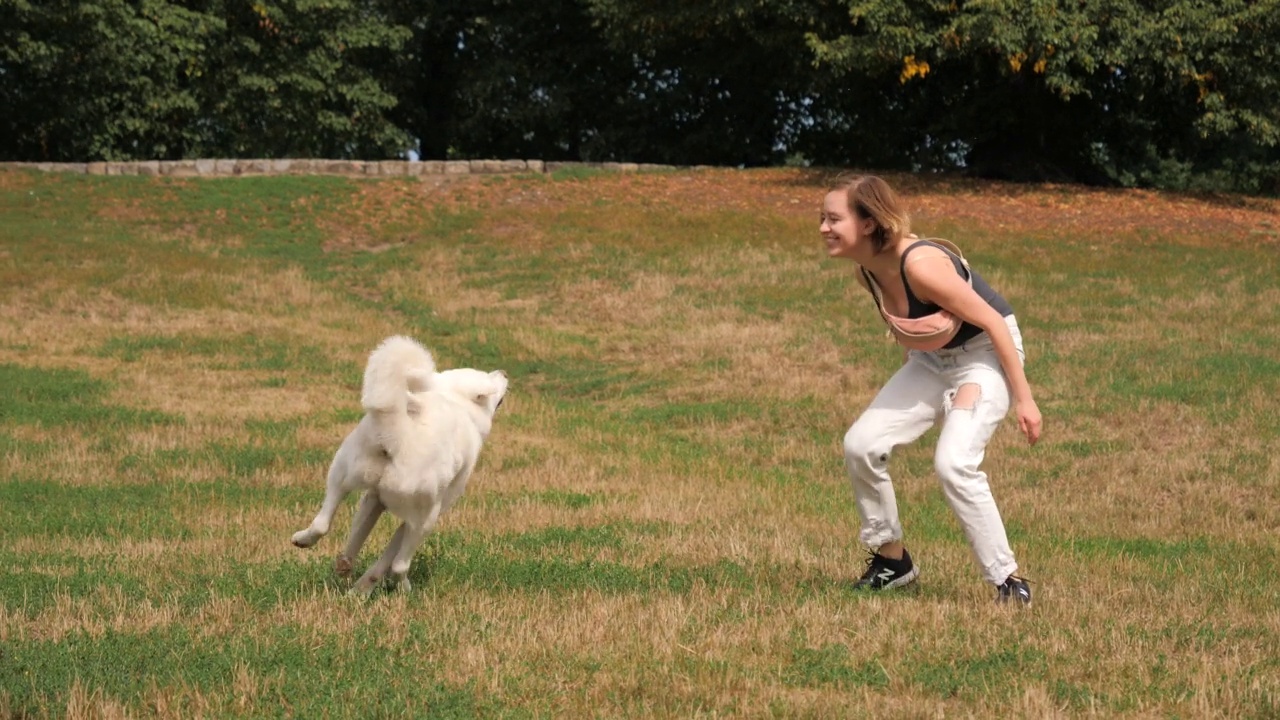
{"x": 971, "y": 380}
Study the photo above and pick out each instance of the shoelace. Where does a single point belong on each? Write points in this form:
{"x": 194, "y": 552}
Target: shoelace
{"x": 1014, "y": 585}
{"x": 874, "y": 563}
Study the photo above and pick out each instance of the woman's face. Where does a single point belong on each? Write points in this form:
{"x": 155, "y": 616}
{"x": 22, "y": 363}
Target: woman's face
{"x": 846, "y": 234}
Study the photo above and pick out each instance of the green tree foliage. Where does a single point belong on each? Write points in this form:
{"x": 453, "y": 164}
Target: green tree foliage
{"x": 567, "y": 79}
{"x": 298, "y": 78}
{"x": 1137, "y": 92}
{"x": 715, "y": 81}
{"x": 1170, "y": 93}
{"x": 111, "y": 79}
{"x": 126, "y": 79}
{"x": 496, "y": 78}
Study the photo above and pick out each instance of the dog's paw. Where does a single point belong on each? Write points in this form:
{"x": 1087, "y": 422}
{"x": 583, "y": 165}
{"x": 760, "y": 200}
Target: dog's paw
{"x": 343, "y": 565}
{"x": 362, "y": 589}
{"x": 398, "y": 582}
{"x": 305, "y": 538}
{"x": 367, "y": 583}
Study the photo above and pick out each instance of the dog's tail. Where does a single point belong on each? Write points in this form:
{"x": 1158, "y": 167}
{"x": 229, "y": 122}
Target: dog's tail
{"x": 396, "y": 368}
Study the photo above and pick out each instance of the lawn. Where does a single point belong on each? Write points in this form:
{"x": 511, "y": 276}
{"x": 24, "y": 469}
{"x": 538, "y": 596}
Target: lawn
{"x": 660, "y": 525}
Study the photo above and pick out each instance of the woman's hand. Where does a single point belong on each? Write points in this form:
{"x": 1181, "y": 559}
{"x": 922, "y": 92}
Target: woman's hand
{"x": 1029, "y": 420}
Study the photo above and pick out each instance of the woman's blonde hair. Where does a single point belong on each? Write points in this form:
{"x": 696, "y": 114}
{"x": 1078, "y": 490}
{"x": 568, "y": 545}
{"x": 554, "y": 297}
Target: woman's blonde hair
{"x": 871, "y": 197}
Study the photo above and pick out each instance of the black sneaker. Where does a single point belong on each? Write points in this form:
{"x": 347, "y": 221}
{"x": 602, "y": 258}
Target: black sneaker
{"x": 884, "y": 573}
{"x": 1014, "y": 589}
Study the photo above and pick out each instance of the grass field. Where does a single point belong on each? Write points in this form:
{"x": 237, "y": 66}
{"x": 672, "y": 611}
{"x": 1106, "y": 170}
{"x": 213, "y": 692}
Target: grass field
{"x": 660, "y": 525}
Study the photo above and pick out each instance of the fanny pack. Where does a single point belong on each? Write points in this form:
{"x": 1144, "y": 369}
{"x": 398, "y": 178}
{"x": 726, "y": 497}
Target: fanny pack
{"x": 928, "y": 333}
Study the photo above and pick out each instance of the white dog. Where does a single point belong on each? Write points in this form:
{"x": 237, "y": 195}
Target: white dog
{"x": 411, "y": 454}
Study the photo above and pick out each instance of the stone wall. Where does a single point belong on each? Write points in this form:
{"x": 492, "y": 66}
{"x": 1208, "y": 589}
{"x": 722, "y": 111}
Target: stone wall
{"x": 364, "y": 168}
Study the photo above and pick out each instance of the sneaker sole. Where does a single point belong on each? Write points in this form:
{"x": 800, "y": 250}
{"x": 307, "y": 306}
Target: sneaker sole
{"x": 903, "y": 581}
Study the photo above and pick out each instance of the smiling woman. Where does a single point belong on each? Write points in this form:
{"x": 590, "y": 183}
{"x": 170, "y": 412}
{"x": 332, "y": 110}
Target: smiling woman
{"x": 968, "y": 376}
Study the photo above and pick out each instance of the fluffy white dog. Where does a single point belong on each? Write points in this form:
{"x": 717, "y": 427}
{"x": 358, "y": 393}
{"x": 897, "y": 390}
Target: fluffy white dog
{"x": 411, "y": 454}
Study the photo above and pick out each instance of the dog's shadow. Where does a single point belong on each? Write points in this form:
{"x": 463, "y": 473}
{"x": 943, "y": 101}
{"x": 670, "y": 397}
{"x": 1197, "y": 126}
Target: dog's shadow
{"x": 430, "y": 568}
{"x": 321, "y": 576}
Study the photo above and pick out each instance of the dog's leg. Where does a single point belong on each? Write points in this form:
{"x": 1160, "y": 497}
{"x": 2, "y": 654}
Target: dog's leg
{"x": 374, "y": 575}
{"x": 367, "y": 514}
{"x": 409, "y": 544}
{"x": 334, "y": 494}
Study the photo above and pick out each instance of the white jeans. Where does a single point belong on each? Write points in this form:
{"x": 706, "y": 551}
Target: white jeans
{"x": 908, "y": 405}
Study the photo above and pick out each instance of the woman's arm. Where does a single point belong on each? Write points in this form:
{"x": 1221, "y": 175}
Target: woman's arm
{"x": 933, "y": 279}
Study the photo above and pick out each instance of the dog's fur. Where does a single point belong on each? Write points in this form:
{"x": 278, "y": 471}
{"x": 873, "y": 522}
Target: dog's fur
{"x": 411, "y": 454}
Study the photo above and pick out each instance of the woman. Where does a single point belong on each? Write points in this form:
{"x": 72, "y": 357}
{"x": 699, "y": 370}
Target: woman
{"x": 971, "y": 379}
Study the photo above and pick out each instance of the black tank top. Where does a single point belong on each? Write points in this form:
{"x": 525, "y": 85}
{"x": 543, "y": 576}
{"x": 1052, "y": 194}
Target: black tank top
{"x": 968, "y": 331}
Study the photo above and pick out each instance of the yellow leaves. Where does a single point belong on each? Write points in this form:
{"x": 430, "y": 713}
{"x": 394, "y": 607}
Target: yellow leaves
{"x": 265, "y": 22}
{"x": 1203, "y": 81}
{"x": 912, "y": 68}
{"x": 1018, "y": 60}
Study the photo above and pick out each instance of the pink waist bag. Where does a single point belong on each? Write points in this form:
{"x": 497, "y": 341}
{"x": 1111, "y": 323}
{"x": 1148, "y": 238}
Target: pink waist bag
{"x": 928, "y": 333}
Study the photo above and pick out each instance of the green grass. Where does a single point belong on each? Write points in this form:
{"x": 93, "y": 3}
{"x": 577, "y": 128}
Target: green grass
{"x": 125, "y": 665}
{"x": 833, "y": 665}
{"x": 243, "y": 352}
{"x": 660, "y": 525}
{"x": 54, "y": 397}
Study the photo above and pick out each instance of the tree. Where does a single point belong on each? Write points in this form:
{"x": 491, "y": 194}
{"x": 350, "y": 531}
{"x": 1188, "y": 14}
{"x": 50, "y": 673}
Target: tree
{"x": 152, "y": 79}
{"x": 298, "y": 78}
{"x": 105, "y": 80}
{"x": 1109, "y": 90}
{"x": 716, "y": 82}
{"x": 494, "y": 78}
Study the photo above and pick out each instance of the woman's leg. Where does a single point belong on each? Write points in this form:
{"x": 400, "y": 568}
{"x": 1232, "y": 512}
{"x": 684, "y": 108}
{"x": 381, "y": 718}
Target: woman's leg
{"x": 901, "y": 412}
{"x": 974, "y": 409}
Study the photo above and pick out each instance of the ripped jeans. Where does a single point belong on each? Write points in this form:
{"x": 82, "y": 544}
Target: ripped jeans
{"x": 908, "y": 405}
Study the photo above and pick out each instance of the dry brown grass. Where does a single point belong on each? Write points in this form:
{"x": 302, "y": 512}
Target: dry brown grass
{"x": 724, "y": 531}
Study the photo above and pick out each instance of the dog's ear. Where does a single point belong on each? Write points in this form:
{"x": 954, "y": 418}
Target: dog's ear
{"x": 419, "y": 380}
{"x": 414, "y": 406}
{"x": 496, "y": 387}
{"x": 483, "y": 397}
